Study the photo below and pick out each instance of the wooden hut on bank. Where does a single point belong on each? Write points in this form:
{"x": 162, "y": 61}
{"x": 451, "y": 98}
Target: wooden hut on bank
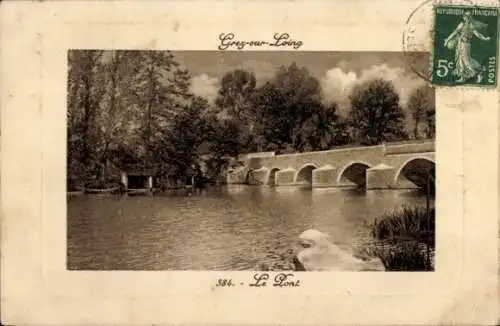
{"x": 139, "y": 179}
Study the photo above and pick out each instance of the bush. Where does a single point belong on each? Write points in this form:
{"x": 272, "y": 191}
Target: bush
{"x": 405, "y": 239}
{"x": 405, "y": 256}
{"x": 408, "y": 223}
{"x": 73, "y": 185}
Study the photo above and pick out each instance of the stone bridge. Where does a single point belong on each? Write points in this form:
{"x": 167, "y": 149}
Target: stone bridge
{"x": 390, "y": 165}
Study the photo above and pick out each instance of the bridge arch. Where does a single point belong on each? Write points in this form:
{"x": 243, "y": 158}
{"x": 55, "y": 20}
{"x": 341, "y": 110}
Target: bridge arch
{"x": 416, "y": 170}
{"x": 271, "y": 179}
{"x": 354, "y": 172}
{"x": 304, "y": 174}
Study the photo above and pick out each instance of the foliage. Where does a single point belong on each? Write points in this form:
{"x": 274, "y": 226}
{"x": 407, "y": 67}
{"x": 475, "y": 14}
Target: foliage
{"x": 236, "y": 90}
{"x": 407, "y": 223}
{"x": 421, "y": 105}
{"x": 405, "y": 239}
{"x": 73, "y": 184}
{"x": 226, "y": 139}
{"x": 84, "y": 96}
{"x": 321, "y": 130}
{"x": 272, "y": 124}
{"x": 120, "y": 101}
{"x": 111, "y": 110}
{"x": 290, "y": 114}
{"x": 104, "y": 183}
{"x": 158, "y": 89}
{"x": 406, "y": 256}
{"x": 430, "y": 120}
{"x": 376, "y": 115}
{"x": 178, "y": 150}
{"x": 135, "y": 108}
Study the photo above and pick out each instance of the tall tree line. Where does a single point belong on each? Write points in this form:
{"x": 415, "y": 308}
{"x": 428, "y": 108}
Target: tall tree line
{"x": 288, "y": 114}
{"x": 136, "y": 106}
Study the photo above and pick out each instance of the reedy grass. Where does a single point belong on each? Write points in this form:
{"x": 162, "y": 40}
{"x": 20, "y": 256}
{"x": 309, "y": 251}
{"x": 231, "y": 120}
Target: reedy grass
{"x": 405, "y": 239}
{"x": 407, "y": 223}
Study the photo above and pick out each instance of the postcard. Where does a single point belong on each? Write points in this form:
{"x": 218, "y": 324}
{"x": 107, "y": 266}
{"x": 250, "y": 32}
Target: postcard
{"x": 257, "y": 163}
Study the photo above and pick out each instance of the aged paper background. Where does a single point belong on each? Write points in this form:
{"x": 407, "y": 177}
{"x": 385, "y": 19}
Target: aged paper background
{"x": 36, "y": 288}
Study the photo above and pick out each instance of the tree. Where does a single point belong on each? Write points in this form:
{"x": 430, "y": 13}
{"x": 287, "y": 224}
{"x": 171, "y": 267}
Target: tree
{"x": 226, "y": 141}
{"x": 234, "y": 101}
{"x": 430, "y": 123}
{"x": 92, "y": 93}
{"x": 154, "y": 93}
{"x": 181, "y": 81}
{"x": 300, "y": 90}
{"x": 421, "y": 106}
{"x": 179, "y": 147}
{"x": 124, "y": 102}
{"x": 290, "y": 115}
{"x": 85, "y": 91}
{"x": 73, "y": 117}
{"x": 321, "y": 130}
{"x": 235, "y": 92}
{"x": 375, "y": 114}
{"x": 112, "y": 108}
{"x": 273, "y": 122}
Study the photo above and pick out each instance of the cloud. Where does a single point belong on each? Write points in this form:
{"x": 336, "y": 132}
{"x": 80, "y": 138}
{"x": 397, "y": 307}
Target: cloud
{"x": 336, "y": 86}
{"x": 205, "y": 86}
{"x": 262, "y": 70}
{"x": 337, "y": 83}
{"x": 403, "y": 81}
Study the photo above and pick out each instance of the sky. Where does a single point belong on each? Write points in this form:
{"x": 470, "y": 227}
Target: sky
{"x": 337, "y": 72}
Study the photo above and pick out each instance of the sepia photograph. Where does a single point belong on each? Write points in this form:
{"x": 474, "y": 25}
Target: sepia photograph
{"x": 249, "y": 160}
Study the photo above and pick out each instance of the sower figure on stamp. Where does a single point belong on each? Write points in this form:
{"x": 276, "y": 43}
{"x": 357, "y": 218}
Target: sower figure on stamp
{"x": 466, "y": 67}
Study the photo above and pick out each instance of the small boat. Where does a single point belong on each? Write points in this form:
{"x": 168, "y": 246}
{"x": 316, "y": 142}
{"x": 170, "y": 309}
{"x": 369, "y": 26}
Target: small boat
{"x": 74, "y": 193}
{"x": 102, "y": 190}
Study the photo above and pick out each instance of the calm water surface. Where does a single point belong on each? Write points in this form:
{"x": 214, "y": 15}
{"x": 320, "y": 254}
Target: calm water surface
{"x": 230, "y": 228}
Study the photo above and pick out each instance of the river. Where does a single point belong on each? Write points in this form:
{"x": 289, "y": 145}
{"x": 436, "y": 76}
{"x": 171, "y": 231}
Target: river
{"x": 226, "y": 228}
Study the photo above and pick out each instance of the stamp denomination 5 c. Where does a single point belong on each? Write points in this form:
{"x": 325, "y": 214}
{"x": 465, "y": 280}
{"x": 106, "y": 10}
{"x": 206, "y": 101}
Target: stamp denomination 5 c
{"x": 465, "y": 50}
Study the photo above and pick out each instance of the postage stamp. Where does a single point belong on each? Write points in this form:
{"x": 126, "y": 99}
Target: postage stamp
{"x": 465, "y": 50}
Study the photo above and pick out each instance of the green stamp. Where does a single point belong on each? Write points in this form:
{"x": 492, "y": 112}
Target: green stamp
{"x": 465, "y": 46}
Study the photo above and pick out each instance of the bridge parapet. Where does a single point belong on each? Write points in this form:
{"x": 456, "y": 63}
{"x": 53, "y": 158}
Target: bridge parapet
{"x": 336, "y": 157}
{"x": 409, "y": 147}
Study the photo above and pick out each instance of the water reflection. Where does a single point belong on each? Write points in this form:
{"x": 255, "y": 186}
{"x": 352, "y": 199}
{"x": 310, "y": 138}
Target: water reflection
{"x": 224, "y": 228}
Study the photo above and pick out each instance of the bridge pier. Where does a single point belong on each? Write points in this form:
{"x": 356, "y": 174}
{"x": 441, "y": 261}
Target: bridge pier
{"x": 380, "y": 177}
{"x": 286, "y": 177}
{"x": 259, "y": 176}
{"x": 325, "y": 176}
